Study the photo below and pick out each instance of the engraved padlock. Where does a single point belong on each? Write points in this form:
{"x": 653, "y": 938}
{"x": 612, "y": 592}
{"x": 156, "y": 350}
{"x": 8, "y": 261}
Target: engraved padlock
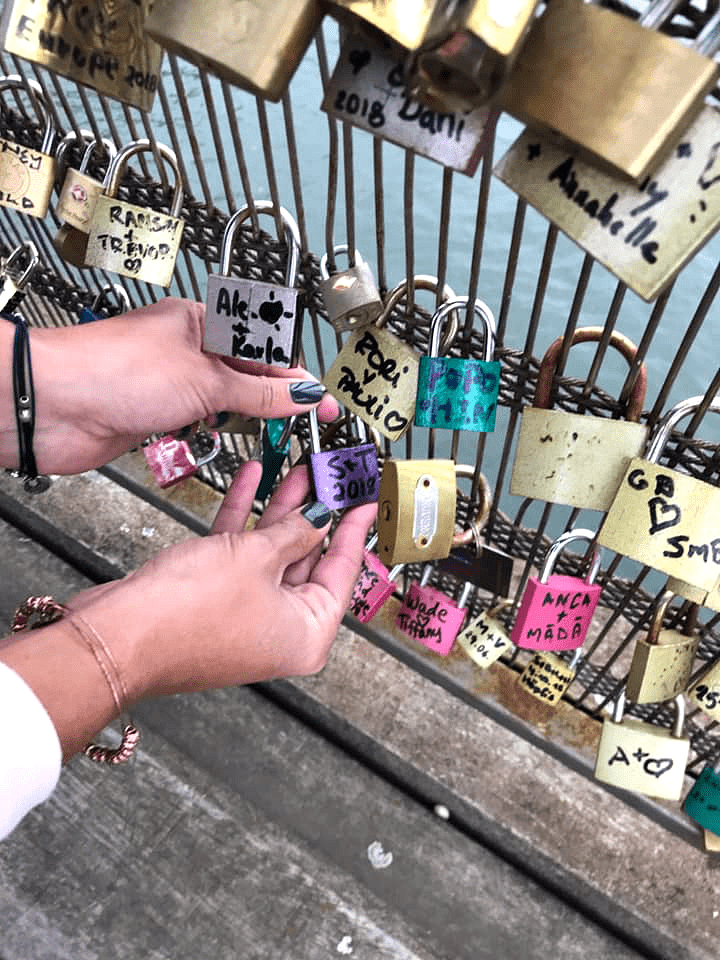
{"x": 636, "y": 755}
{"x": 275, "y": 440}
{"x": 374, "y": 586}
{"x": 703, "y": 801}
{"x": 429, "y": 616}
{"x": 662, "y": 662}
{"x": 351, "y": 296}
{"x": 375, "y": 375}
{"x": 250, "y": 319}
{"x": 171, "y": 459}
{"x": 27, "y": 176}
{"x": 485, "y": 639}
{"x": 459, "y": 393}
{"x": 573, "y": 458}
{"x": 131, "y": 240}
{"x": 547, "y": 676}
{"x": 664, "y": 518}
{"x": 15, "y": 271}
{"x": 346, "y": 476}
{"x": 556, "y": 609}
{"x": 103, "y": 307}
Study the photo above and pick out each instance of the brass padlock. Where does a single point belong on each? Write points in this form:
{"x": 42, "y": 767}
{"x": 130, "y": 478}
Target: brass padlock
{"x": 573, "y": 458}
{"x": 403, "y": 23}
{"x": 12, "y": 282}
{"x": 704, "y": 691}
{"x": 637, "y": 755}
{"x": 662, "y": 662}
{"x": 375, "y": 375}
{"x": 101, "y": 44}
{"x": 131, "y": 240}
{"x": 485, "y": 639}
{"x": 79, "y": 193}
{"x": 81, "y": 139}
{"x": 250, "y": 319}
{"x": 547, "y": 676}
{"x": 257, "y": 44}
{"x": 465, "y": 58}
{"x": 351, "y": 296}
{"x": 576, "y": 49}
{"x": 664, "y": 518}
{"x": 27, "y": 176}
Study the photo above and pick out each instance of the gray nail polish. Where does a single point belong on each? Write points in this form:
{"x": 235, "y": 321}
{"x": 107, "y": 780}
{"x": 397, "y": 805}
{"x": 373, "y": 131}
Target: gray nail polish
{"x": 307, "y": 391}
{"x": 317, "y": 514}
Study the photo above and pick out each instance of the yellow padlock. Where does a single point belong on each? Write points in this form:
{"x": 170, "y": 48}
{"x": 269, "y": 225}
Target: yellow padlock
{"x": 27, "y": 176}
{"x": 79, "y": 193}
{"x": 662, "y": 662}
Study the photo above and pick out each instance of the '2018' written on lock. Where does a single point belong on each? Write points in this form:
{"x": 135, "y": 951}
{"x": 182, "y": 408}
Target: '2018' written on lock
{"x": 347, "y": 477}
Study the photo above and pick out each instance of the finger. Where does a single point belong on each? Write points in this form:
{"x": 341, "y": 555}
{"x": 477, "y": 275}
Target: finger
{"x": 232, "y": 517}
{"x": 271, "y": 395}
{"x": 296, "y": 534}
{"x": 338, "y": 568}
{"x": 299, "y": 573}
{"x": 291, "y": 493}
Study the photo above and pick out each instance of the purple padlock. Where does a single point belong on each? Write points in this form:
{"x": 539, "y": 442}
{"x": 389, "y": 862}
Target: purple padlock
{"x": 345, "y": 477}
{"x": 373, "y": 587}
{"x": 430, "y": 617}
{"x": 171, "y": 459}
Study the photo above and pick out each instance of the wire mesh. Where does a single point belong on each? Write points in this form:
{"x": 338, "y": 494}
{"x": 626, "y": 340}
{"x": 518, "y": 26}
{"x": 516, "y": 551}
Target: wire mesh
{"x": 408, "y": 215}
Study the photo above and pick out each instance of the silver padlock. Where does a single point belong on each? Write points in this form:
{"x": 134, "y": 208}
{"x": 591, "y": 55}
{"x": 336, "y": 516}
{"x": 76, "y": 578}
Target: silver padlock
{"x": 250, "y": 319}
{"x": 351, "y": 296}
{"x": 11, "y": 283}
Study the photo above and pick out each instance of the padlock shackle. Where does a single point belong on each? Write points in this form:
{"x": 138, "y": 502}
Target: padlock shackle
{"x": 658, "y": 12}
{"x": 107, "y": 145}
{"x": 708, "y": 39}
{"x": 423, "y": 281}
{"x": 559, "y": 545}
{"x": 35, "y": 92}
{"x": 678, "y": 728}
{"x": 339, "y": 249}
{"x": 120, "y": 293}
{"x": 436, "y": 324}
{"x": 292, "y": 239}
{"x": 664, "y": 426}
{"x": 28, "y": 249}
{"x": 425, "y": 575}
{"x": 546, "y": 373}
{"x": 314, "y": 430}
{"x": 481, "y": 517}
{"x": 206, "y": 458}
{"x": 111, "y": 182}
{"x": 70, "y": 138}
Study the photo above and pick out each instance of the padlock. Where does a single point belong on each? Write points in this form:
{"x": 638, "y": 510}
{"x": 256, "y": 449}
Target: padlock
{"x": 547, "y": 676}
{"x": 458, "y": 393}
{"x": 556, "y": 609}
{"x": 131, "y": 240}
{"x": 72, "y": 139}
{"x": 350, "y": 296}
{"x": 636, "y": 755}
{"x": 258, "y": 45}
{"x": 704, "y": 690}
{"x": 12, "y": 282}
{"x": 250, "y": 319}
{"x": 375, "y": 375}
{"x": 374, "y": 586}
{"x": 344, "y": 477}
{"x": 485, "y": 638}
{"x": 703, "y": 801}
{"x": 80, "y": 191}
{"x": 662, "y": 662}
{"x": 403, "y": 26}
{"x": 100, "y": 44}
{"x": 27, "y": 176}
{"x": 171, "y": 459}
{"x": 572, "y": 458}
{"x": 102, "y": 307}
{"x": 465, "y": 58}
{"x": 664, "y": 518}
{"x": 275, "y": 441}
{"x": 576, "y": 49}
{"x": 430, "y": 616}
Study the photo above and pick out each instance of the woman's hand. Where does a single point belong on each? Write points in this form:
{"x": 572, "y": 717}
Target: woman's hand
{"x": 101, "y": 388}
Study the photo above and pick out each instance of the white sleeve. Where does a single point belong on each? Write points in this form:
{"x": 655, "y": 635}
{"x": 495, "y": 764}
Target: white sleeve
{"x": 30, "y": 752}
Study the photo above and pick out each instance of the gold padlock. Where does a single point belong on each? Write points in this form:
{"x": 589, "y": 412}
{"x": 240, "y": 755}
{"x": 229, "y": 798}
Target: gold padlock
{"x": 257, "y": 44}
{"x": 375, "y": 375}
{"x": 547, "y": 676}
{"x": 485, "y": 639}
{"x": 662, "y": 662}
{"x": 465, "y": 57}
{"x": 404, "y": 22}
{"x": 70, "y": 141}
{"x": 100, "y": 44}
{"x": 131, "y": 240}
{"x": 573, "y": 458}
{"x": 664, "y": 518}
{"x": 618, "y": 91}
{"x": 27, "y": 176}
{"x": 79, "y": 193}
{"x": 704, "y": 691}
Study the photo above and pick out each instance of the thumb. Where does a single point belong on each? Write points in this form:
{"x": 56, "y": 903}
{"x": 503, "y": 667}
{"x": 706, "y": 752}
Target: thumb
{"x": 297, "y": 533}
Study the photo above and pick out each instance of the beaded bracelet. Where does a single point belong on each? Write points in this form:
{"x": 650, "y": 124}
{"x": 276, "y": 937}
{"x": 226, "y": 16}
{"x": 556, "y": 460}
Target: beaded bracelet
{"x": 49, "y": 611}
{"x": 24, "y": 394}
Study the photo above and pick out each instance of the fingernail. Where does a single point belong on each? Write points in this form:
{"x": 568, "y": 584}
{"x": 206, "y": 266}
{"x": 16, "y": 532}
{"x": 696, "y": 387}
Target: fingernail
{"x": 307, "y": 391}
{"x": 317, "y": 514}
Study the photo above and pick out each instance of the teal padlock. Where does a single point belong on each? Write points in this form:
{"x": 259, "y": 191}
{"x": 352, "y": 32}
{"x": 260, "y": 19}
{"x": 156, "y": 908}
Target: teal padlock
{"x": 275, "y": 446}
{"x": 459, "y": 393}
{"x": 703, "y": 801}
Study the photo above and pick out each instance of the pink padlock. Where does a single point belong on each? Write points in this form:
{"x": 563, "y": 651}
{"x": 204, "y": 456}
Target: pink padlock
{"x": 556, "y": 609}
{"x": 430, "y": 617}
{"x": 374, "y": 586}
{"x": 171, "y": 459}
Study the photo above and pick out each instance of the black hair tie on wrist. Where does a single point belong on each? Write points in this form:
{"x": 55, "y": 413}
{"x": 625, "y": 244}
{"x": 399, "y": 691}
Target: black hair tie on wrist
{"x": 24, "y": 395}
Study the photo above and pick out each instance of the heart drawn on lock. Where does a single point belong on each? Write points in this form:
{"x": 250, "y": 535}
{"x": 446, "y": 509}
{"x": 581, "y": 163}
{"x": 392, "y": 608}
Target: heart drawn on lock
{"x": 656, "y": 768}
{"x": 658, "y": 508}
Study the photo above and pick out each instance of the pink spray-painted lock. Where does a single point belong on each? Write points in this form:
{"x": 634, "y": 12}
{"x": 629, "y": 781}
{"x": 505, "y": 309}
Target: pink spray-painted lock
{"x": 556, "y": 609}
{"x": 171, "y": 459}
{"x": 374, "y": 586}
{"x": 430, "y": 616}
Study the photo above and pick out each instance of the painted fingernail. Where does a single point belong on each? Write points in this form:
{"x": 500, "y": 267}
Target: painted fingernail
{"x": 307, "y": 391}
{"x": 317, "y": 514}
